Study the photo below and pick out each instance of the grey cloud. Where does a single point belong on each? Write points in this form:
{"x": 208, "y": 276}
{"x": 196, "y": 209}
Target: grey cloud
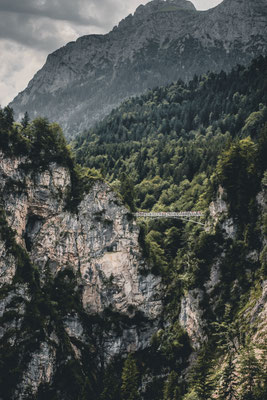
{"x": 67, "y": 10}
{"x": 42, "y": 35}
{"x": 38, "y": 23}
{"x": 17, "y": 67}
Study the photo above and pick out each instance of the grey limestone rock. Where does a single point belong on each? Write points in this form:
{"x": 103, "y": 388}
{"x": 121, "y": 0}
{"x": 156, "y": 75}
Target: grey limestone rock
{"x": 191, "y": 317}
{"x": 162, "y": 42}
{"x": 98, "y": 243}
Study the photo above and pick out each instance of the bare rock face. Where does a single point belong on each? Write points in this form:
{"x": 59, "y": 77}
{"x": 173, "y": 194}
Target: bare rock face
{"x": 7, "y": 265}
{"x": 39, "y": 371}
{"x": 191, "y": 317}
{"x": 162, "y": 42}
{"x": 219, "y": 212}
{"x": 96, "y": 248}
{"x": 100, "y": 242}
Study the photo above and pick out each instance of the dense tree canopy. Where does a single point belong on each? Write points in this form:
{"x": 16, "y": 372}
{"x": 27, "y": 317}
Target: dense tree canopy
{"x": 173, "y": 133}
{"x": 171, "y": 150}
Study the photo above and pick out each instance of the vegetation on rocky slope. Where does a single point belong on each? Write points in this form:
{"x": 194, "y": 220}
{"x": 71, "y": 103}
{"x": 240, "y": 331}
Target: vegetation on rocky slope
{"x": 172, "y": 150}
{"x": 176, "y": 148}
{"x": 43, "y": 143}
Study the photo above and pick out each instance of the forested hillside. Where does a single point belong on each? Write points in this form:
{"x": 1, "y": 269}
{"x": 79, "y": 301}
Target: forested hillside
{"x": 198, "y": 146}
{"x": 86, "y": 311}
{"x": 174, "y": 133}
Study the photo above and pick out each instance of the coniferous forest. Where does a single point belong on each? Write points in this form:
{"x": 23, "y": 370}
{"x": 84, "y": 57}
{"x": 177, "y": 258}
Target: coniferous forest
{"x": 179, "y": 148}
{"x": 196, "y": 146}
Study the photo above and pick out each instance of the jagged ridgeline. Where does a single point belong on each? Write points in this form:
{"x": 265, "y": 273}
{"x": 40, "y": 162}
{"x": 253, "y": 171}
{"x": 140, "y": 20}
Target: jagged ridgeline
{"x": 163, "y": 41}
{"x": 88, "y": 314}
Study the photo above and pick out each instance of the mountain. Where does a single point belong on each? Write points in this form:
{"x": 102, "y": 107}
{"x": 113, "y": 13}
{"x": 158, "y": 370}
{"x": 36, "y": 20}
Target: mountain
{"x": 162, "y": 42}
{"x": 96, "y": 305}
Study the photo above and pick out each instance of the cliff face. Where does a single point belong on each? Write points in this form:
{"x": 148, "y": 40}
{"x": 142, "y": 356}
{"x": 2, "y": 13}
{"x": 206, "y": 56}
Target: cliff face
{"x": 193, "y": 315}
{"x": 162, "y": 42}
{"x": 77, "y": 296}
{"x": 88, "y": 264}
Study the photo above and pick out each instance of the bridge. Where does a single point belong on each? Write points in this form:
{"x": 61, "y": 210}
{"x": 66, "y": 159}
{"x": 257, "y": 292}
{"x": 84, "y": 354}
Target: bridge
{"x": 185, "y": 215}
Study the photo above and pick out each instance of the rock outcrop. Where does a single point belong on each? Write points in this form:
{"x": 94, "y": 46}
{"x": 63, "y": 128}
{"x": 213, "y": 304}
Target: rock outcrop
{"x": 191, "y": 317}
{"x": 93, "y": 253}
{"x": 162, "y": 42}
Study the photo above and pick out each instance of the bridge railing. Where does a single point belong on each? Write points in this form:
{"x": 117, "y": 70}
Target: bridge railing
{"x": 169, "y": 214}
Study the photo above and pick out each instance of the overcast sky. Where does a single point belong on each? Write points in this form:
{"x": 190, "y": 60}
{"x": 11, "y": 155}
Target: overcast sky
{"x": 31, "y": 29}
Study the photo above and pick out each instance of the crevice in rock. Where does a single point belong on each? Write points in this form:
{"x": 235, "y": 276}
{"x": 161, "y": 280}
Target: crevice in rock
{"x": 33, "y": 226}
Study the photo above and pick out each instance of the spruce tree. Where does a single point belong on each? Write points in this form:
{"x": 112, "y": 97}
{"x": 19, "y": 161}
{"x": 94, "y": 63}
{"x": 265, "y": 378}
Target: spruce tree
{"x": 263, "y": 365}
{"x": 171, "y": 388}
{"x": 228, "y": 388}
{"x": 130, "y": 380}
{"x": 111, "y": 384}
{"x": 25, "y": 120}
{"x": 201, "y": 379}
{"x": 127, "y": 190}
{"x": 250, "y": 374}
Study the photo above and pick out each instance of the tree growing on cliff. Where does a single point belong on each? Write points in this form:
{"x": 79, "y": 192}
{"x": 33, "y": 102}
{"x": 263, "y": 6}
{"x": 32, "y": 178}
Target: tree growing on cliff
{"x": 201, "y": 379}
{"x": 250, "y": 373}
{"x": 127, "y": 190}
{"x": 229, "y": 384}
{"x": 130, "y": 380}
{"x": 172, "y": 390}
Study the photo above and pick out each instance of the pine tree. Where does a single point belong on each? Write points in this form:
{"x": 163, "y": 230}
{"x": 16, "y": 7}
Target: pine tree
{"x": 263, "y": 365}
{"x": 171, "y": 388}
{"x": 127, "y": 190}
{"x": 228, "y": 333}
{"x": 130, "y": 380}
{"x": 25, "y": 120}
{"x": 228, "y": 388}
{"x": 250, "y": 374}
{"x": 111, "y": 384}
{"x": 201, "y": 379}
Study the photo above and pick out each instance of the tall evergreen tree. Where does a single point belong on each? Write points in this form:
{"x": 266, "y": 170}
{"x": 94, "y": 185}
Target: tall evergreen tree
{"x": 250, "y": 375}
{"x": 229, "y": 384}
{"x": 172, "y": 390}
{"x": 111, "y": 384}
{"x": 130, "y": 380}
{"x": 127, "y": 190}
{"x": 25, "y": 120}
{"x": 201, "y": 379}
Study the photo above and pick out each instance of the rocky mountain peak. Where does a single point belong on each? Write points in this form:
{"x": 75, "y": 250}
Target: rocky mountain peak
{"x": 164, "y": 5}
{"x": 162, "y": 42}
{"x": 156, "y": 8}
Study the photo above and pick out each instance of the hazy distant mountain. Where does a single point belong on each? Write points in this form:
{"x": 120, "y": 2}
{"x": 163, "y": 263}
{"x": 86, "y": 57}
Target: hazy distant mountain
{"x": 162, "y": 42}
